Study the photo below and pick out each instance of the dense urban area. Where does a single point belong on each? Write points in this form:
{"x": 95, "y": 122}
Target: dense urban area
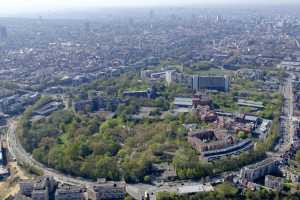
{"x": 162, "y": 103}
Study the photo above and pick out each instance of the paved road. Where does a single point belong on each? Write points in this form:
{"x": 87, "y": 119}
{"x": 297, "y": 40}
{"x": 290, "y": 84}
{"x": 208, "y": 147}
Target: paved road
{"x": 135, "y": 190}
{"x": 291, "y": 130}
{"x": 287, "y": 127}
{"x": 289, "y": 112}
{"x": 17, "y": 152}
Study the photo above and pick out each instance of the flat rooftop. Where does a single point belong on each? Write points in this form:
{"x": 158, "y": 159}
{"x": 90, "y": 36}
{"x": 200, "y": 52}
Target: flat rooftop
{"x": 183, "y": 101}
{"x": 265, "y": 162}
{"x": 3, "y": 171}
{"x": 195, "y": 189}
{"x": 256, "y": 104}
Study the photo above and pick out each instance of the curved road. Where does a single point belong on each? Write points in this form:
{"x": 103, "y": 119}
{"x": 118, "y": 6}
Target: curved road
{"x": 17, "y": 151}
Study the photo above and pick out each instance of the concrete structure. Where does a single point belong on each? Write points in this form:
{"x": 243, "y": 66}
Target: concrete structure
{"x": 45, "y": 188}
{"x": 42, "y": 194}
{"x": 197, "y": 100}
{"x": 288, "y": 65}
{"x": 200, "y": 99}
{"x": 210, "y": 82}
{"x": 258, "y": 170}
{"x": 3, "y": 171}
{"x": 183, "y": 102}
{"x": 95, "y": 104}
{"x": 26, "y": 188}
{"x": 174, "y": 77}
{"x": 1, "y": 155}
{"x": 205, "y": 114}
{"x": 39, "y": 189}
{"x": 49, "y": 108}
{"x": 170, "y": 76}
{"x": 65, "y": 192}
{"x": 231, "y": 150}
{"x": 252, "y": 74}
{"x": 203, "y": 135}
{"x": 207, "y": 140}
{"x": 290, "y": 174}
{"x": 158, "y": 75}
{"x": 195, "y": 189}
{"x": 263, "y": 128}
{"x": 273, "y": 182}
{"x": 149, "y": 93}
{"x": 248, "y": 103}
{"x": 146, "y": 74}
{"x": 16, "y": 103}
{"x": 213, "y": 146}
{"x": 165, "y": 172}
{"x": 107, "y": 191}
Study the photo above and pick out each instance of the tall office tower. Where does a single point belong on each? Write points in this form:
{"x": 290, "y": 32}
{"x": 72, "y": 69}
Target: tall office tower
{"x": 87, "y": 27}
{"x": 3, "y": 32}
{"x": 219, "y": 19}
{"x": 40, "y": 19}
{"x": 195, "y": 82}
{"x": 151, "y": 14}
{"x": 210, "y": 82}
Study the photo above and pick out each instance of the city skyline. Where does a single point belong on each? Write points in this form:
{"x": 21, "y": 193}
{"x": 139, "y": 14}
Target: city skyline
{"x": 149, "y": 100}
{"x": 20, "y": 7}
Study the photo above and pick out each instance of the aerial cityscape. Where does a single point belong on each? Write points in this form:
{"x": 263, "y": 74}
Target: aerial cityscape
{"x": 170, "y": 102}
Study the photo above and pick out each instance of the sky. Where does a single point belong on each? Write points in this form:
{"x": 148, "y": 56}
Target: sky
{"x": 16, "y": 7}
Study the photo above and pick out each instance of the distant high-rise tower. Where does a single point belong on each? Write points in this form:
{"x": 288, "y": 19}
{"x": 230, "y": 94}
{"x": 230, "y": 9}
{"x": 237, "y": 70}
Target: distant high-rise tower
{"x": 3, "y": 32}
{"x": 219, "y": 19}
{"x": 131, "y": 21}
{"x": 87, "y": 27}
{"x": 141, "y": 44}
{"x": 151, "y": 14}
{"x": 40, "y": 19}
{"x": 151, "y": 17}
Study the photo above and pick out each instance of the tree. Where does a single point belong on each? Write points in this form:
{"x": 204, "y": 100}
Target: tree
{"x": 187, "y": 165}
{"x": 298, "y": 155}
{"x": 128, "y": 198}
{"x": 39, "y": 154}
{"x": 147, "y": 179}
{"x": 84, "y": 150}
{"x": 167, "y": 196}
{"x": 107, "y": 167}
{"x": 226, "y": 190}
{"x": 242, "y": 135}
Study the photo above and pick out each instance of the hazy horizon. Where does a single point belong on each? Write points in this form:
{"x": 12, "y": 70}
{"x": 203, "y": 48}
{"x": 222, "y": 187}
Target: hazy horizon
{"x": 19, "y": 7}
